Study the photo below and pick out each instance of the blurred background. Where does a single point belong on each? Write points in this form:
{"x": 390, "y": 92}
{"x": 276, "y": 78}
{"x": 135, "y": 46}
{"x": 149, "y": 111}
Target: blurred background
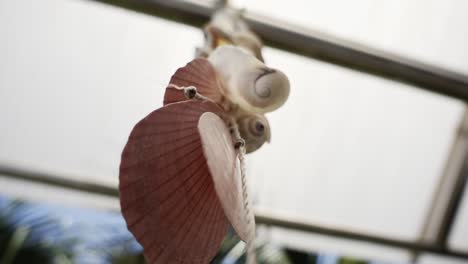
{"x": 354, "y": 150}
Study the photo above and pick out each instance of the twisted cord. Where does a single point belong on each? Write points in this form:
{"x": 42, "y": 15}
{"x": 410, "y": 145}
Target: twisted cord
{"x": 251, "y": 253}
{"x": 190, "y": 92}
{"x": 250, "y": 243}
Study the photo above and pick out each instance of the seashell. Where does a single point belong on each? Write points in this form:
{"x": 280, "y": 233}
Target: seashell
{"x": 216, "y": 37}
{"x": 270, "y": 90}
{"x": 254, "y": 129}
{"x": 248, "y": 82}
{"x": 180, "y": 184}
{"x": 167, "y": 193}
{"x": 227, "y": 27}
{"x": 199, "y": 73}
{"x": 225, "y": 168}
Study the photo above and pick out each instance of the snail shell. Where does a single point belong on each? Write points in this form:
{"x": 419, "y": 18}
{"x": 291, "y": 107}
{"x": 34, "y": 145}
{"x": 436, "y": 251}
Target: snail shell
{"x": 248, "y": 82}
{"x": 255, "y": 130}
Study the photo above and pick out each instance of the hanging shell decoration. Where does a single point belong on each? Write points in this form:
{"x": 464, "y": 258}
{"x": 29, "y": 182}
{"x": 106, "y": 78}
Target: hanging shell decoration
{"x": 182, "y": 182}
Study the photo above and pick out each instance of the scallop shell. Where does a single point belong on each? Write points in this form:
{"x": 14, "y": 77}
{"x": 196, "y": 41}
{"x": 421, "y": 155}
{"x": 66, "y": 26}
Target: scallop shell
{"x": 199, "y": 73}
{"x": 167, "y": 194}
{"x": 224, "y": 165}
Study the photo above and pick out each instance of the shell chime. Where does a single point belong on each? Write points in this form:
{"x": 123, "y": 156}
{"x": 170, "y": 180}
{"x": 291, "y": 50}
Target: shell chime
{"x": 182, "y": 181}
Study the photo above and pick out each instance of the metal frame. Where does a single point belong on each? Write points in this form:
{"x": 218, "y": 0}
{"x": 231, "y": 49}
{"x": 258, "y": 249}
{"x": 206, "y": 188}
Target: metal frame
{"x": 340, "y": 52}
{"x": 449, "y": 193}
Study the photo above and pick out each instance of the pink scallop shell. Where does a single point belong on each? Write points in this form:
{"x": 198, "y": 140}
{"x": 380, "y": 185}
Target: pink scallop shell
{"x": 167, "y": 194}
{"x": 199, "y": 73}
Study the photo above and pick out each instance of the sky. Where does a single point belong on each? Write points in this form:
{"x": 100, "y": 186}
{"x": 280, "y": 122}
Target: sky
{"x": 348, "y": 149}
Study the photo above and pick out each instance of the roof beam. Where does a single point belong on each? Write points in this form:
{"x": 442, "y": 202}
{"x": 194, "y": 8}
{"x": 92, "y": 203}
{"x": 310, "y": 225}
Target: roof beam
{"x": 299, "y": 40}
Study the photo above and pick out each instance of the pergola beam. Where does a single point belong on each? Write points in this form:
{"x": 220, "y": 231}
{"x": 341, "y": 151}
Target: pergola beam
{"x": 315, "y": 45}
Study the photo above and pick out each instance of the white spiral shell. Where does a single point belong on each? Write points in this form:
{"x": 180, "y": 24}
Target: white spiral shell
{"x": 248, "y": 82}
{"x": 254, "y": 129}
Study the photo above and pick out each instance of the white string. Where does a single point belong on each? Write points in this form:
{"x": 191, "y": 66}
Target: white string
{"x": 250, "y": 243}
{"x": 190, "y": 89}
